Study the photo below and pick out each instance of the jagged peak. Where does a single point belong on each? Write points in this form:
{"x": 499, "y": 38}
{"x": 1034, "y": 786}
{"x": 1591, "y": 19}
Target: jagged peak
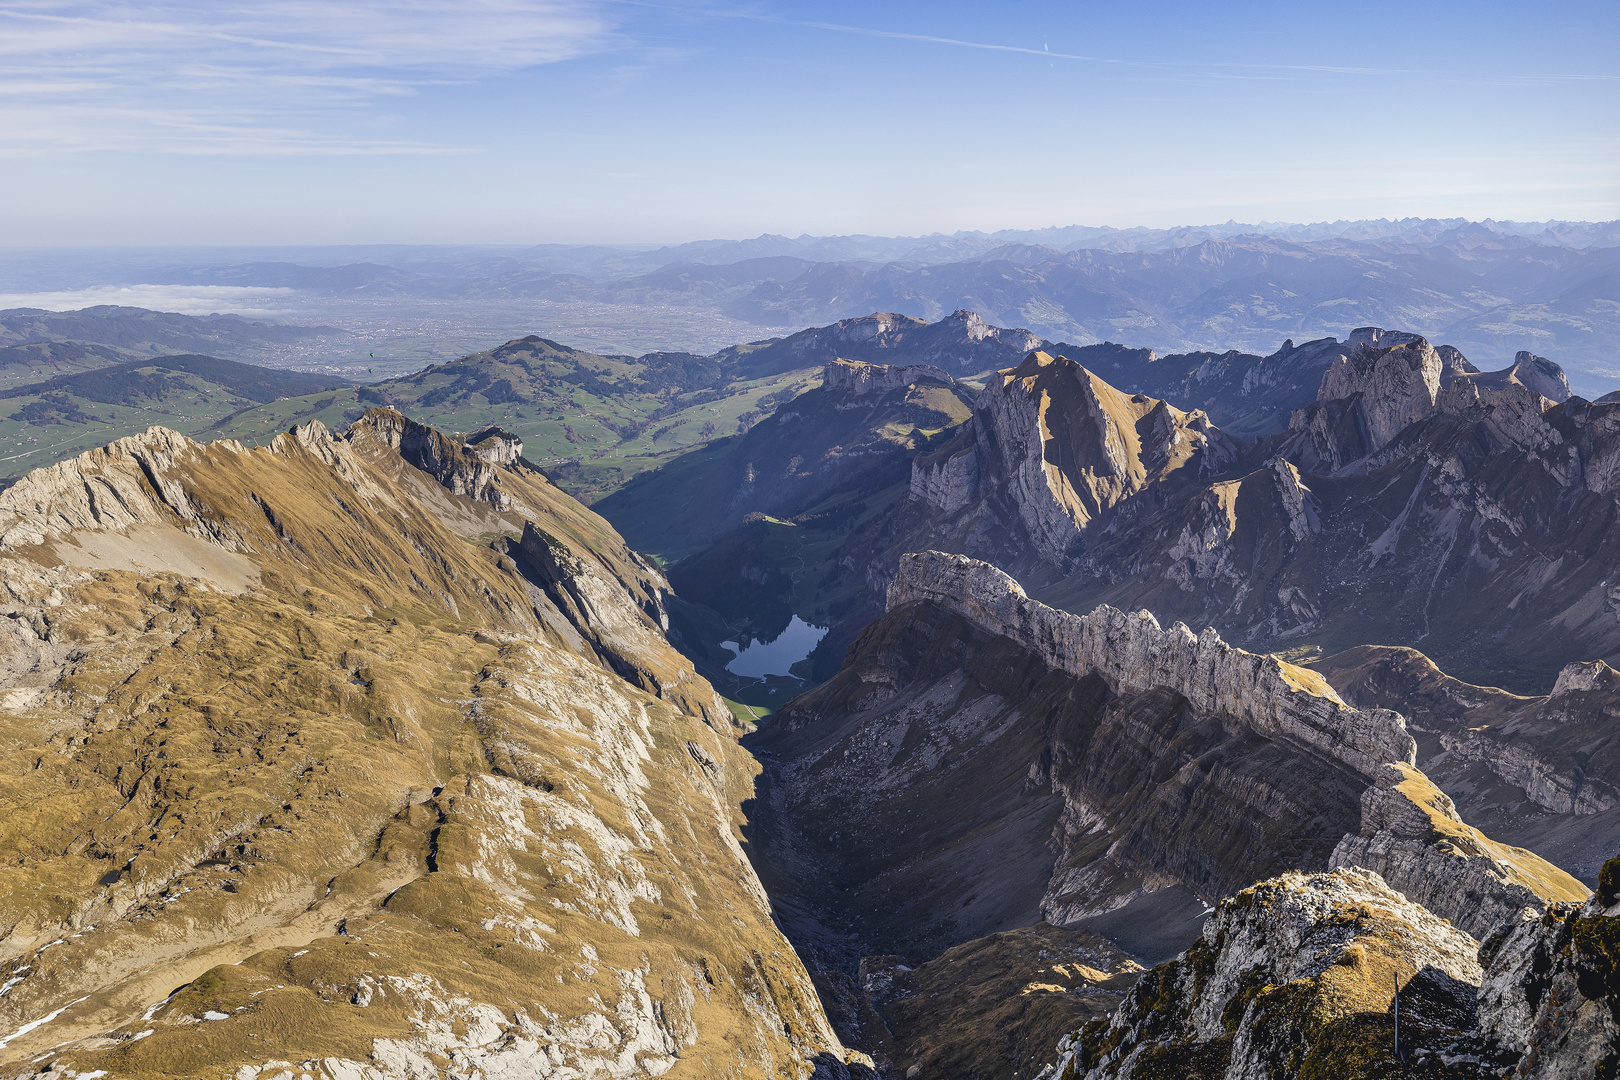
{"x": 1131, "y": 650}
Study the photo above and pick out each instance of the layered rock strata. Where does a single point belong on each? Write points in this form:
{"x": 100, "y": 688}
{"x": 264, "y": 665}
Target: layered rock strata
{"x": 302, "y": 775}
{"x": 1532, "y": 770}
{"x": 1133, "y": 653}
{"x": 1061, "y": 446}
{"x": 1412, "y": 836}
{"x": 855, "y": 377}
{"x": 984, "y": 762}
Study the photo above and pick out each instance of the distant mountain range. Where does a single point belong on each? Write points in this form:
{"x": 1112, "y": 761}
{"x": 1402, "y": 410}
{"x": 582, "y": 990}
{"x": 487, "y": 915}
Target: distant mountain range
{"x": 1490, "y": 288}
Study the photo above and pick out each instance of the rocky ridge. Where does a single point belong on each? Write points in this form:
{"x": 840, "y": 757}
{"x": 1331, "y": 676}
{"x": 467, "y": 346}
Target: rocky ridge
{"x": 1536, "y": 770}
{"x": 303, "y": 773}
{"x": 961, "y": 343}
{"x": 984, "y": 762}
{"x": 1409, "y": 466}
{"x": 1132, "y": 652}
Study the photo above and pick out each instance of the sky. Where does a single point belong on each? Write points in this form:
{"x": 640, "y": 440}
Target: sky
{"x": 609, "y": 121}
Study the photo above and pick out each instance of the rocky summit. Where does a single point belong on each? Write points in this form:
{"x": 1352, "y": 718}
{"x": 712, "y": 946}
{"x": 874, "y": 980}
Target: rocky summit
{"x": 1495, "y": 491}
{"x": 1337, "y": 975}
{"x": 363, "y": 755}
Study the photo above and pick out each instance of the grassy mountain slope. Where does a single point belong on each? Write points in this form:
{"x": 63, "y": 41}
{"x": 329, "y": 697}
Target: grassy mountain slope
{"x": 364, "y": 752}
{"x": 54, "y": 419}
{"x": 32, "y": 362}
{"x": 139, "y": 332}
{"x": 590, "y": 419}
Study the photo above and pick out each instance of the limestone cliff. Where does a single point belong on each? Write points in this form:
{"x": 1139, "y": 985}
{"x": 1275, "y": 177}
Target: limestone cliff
{"x": 855, "y": 377}
{"x": 1532, "y": 770}
{"x": 1413, "y": 837}
{"x": 984, "y": 762}
{"x": 1133, "y": 653}
{"x": 1296, "y": 976}
{"x": 1059, "y": 447}
{"x": 304, "y": 775}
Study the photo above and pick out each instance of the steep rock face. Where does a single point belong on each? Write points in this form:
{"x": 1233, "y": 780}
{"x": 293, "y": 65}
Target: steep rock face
{"x": 1551, "y": 985}
{"x": 1532, "y": 770}
{"x": 1296, "y": 976}
{"x": 1412, "y": 836}
{"x": 1541, "y": 375}
{"x": 1396, "y": 384}
{"x": 984, "y": 762}
{"x": 463, "y": 470}
{"x": 297, "y": 777}
{"x": 855, "y": 377}
{"x": 1061, "y": 447}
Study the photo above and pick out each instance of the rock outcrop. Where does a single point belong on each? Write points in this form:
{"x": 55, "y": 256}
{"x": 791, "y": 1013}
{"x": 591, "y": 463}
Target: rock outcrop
{"x": 1552, "y": 986}
{"x": 303, "y": 775}
{"x": 1060, "y": 447}
{"x": 855, "y": 377}
{"x": 1297, "y": 976}
{"x": 1531, "y": 770}
{"x": 1383, "y": 388}
{"x": 984, "y": 762}
{"x": 1412, "y": 836}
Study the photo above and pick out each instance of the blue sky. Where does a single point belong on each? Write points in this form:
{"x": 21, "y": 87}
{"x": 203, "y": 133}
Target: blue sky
{"x": 527, "y": 121}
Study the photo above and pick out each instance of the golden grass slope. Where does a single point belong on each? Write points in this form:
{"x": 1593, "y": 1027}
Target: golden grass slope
{"x": 341, "y": 788}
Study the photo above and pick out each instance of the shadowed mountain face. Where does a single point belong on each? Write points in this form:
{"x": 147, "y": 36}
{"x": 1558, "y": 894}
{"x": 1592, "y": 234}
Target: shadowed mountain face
{"x": 854, "y": 435}
{"x": 364, "y": 753}
{"x": 983, "y": 762}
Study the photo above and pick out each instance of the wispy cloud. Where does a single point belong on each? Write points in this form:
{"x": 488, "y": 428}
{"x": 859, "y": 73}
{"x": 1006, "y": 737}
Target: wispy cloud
{"x": 1046, "y": 53}
{"x": 256, "y": 77}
